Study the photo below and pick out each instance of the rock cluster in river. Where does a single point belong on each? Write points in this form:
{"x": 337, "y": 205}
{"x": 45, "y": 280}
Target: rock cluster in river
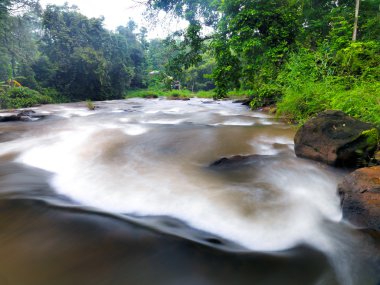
{"x": 334, "y": 138}
{"x": 24, "y": 115}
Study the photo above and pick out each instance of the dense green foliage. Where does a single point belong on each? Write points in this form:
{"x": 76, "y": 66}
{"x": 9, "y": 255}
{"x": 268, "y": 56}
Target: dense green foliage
{"x": 66, "y": 56}
{"x": 296, "y": 53}
{"x": 22, "y": 97}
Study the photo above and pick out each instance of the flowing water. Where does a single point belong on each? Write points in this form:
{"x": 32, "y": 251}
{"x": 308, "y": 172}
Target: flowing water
{"x": 129, "y": 194}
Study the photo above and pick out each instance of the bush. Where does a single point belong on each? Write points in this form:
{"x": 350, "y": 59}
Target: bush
{"x": 266, "y": 95}
{"x": 22, "y": 97}
{"x": 298, "y": 104}
{"x": 360, "y": 59}
{"x": 55, "y": 96}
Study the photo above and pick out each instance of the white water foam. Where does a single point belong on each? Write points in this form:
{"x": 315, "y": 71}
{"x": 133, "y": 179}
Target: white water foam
{"x": 113, "y": 166}
{"x": 292, "y": 215}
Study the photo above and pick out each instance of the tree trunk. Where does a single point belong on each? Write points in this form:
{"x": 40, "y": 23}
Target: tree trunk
{"x": 356, "y": 20}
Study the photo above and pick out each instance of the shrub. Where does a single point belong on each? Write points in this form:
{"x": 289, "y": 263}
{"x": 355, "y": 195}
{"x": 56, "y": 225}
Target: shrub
{"x": 267, "y": 94}
{"x": 55, "y": 96}
{"x": 360, "y": 59}
{"x": 22, "y": 97}
{"x": 90, "y": 105}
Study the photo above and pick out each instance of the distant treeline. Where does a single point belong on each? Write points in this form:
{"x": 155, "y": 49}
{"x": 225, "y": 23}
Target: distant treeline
{"x": 59, "y": 50}
{"x": 67, "y": 56}
{"x": 305, "y": 56}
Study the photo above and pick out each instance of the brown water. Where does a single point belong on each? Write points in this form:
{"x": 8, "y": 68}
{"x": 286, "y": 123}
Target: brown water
{"x": 126, "y": 195}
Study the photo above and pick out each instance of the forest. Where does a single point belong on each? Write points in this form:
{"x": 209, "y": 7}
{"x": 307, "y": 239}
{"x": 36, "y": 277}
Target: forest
{"x": 298, "y": 56}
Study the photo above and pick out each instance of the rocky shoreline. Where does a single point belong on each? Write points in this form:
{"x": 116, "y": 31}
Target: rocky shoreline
{"x": 338, "y": 140}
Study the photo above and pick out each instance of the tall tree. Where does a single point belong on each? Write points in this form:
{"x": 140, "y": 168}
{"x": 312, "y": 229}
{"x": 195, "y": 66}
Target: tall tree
{"x": 354, "y": 34}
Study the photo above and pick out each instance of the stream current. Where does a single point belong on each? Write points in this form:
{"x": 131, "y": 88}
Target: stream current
{"x": 127, "y": 194}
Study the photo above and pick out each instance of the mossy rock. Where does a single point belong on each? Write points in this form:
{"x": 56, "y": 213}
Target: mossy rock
{"x": 337, "y": 139}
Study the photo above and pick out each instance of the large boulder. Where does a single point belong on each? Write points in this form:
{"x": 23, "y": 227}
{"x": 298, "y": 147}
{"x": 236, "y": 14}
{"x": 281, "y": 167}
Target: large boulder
{"x": 334, "y": 138}
{"x": 360, "y": 197}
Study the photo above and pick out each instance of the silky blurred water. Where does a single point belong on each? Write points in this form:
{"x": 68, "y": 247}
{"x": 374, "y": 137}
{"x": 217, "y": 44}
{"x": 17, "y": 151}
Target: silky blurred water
{"x": 140, "y": 159}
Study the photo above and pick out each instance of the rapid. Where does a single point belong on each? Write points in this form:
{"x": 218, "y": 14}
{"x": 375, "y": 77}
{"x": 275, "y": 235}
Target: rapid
{"x": 130, "y": 194}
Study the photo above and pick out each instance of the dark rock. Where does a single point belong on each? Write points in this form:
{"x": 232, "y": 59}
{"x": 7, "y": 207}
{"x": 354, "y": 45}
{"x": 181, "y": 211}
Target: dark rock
{"x": 24, "y": 115}
{"x": 240, "y": 160}
{"x": 148, "y": 96}
{"x": 244, "y": 102}
{"x": 336, "y": 139}
{"x": 360, "y": 197}
{"x": 9, "y": 118}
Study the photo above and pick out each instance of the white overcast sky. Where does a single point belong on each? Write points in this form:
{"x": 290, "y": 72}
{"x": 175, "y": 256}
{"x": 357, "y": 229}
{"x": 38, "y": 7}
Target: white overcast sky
{"x": 118, "y": 12}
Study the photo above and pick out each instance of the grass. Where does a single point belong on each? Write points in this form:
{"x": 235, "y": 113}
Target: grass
{"x": 90, "y": 105}
{"x": 361, "y": 101}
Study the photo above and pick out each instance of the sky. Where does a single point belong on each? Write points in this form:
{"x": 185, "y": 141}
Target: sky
{"x": 118, "y": 12}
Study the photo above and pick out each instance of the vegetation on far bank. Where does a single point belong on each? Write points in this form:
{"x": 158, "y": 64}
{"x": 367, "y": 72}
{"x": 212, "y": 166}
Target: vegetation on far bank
{"x": 299, "y": 55}
{"x": 169, "y": 94}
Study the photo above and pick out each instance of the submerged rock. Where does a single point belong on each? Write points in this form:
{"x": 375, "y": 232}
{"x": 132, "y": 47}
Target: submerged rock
{"x": 336, "y": 139}
{"x": 24, "y": 115}
{"x": 360, "y": 197}
{"x": 241, "y": 160}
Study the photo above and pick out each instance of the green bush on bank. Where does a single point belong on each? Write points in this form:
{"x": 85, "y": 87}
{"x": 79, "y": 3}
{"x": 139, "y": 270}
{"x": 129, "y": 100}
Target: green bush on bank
{"x": 55, "y": 96}
{"x": 21, "y": 97}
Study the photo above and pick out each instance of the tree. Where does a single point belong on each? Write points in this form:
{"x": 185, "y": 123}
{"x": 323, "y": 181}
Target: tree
{"x": 354, "y": 34}
{"x": 89, "y": 61}
{"x": 19, "y": 46}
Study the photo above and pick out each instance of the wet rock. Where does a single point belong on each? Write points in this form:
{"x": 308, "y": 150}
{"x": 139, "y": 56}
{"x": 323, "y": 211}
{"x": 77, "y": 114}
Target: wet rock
{"x": 149, "y": 96}
{"x": 244, "y": 102}
{"x": 24, "y": 115}
{"x": 240, "y": 160}
{"x": 360, "y": 197}
{"x": 9, "y": 118}
{"x": 334, "y": 138}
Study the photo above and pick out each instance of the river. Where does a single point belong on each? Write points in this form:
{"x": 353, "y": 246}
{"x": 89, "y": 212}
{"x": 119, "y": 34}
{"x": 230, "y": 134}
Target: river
{"x": 128, "y": 194}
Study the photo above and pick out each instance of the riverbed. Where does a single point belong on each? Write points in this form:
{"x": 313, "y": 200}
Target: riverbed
{"x": 128, "y": 194}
